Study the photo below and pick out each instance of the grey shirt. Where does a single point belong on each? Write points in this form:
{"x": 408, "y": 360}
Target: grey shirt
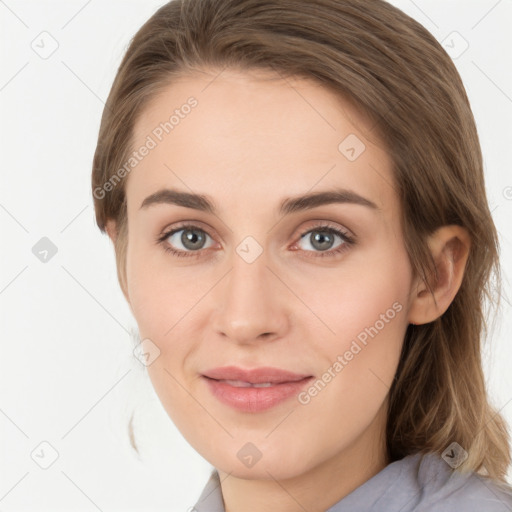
{"x": 419, "y": 482}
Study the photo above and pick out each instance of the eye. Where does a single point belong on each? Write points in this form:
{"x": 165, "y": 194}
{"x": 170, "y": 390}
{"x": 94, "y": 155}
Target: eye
{"x": 192, "y": 239}
{"x": 322, "y": 238}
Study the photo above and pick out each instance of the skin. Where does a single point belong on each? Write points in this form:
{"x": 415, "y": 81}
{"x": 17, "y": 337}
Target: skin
{"x": 251, "y": 142}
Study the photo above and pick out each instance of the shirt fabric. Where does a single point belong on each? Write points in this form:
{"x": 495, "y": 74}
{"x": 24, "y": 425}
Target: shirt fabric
{"x": 418, "y": 482}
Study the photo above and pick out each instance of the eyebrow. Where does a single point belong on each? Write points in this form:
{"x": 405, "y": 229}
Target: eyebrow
{"x": 289, "y": 205}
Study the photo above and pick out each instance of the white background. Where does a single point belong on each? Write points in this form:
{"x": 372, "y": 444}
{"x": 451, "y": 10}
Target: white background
{"x": 68, "y": 376}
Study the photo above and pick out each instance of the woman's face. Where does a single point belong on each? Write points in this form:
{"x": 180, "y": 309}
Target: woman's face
{"x": 315, "y": 287}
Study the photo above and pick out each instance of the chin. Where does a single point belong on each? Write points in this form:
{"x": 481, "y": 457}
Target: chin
{"x": 274, "y": 463}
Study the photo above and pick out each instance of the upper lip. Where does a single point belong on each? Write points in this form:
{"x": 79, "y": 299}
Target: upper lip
{"x": 254, "y": 375}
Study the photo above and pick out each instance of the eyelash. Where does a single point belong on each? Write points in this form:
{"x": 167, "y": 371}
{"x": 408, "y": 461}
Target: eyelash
{"x": 325, "y": 228}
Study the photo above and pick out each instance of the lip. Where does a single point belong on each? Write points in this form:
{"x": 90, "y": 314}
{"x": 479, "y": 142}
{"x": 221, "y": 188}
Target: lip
{"x": 254, "y": 375}
{"x": 284, "y": 385}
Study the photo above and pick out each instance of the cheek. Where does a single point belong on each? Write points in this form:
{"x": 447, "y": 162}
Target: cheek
{"x": 367, "y": 312}
{"x": 164, "y": 304}
{"x": 163, "y": 307}
{"x": 149, "y": 296}
{"x": 361, "y": 360}
{"x": 367, "y": 295}
{"x": 158, "y": 297}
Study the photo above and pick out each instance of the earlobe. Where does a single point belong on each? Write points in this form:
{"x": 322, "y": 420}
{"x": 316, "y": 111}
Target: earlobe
{"x": 111, "y": 229}
{"x": 449, "y": 246}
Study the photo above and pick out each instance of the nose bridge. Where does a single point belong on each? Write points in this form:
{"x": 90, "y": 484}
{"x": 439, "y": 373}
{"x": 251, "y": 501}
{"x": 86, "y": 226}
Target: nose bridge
{"x": 248, "y": 279}
{"x": 248, "y": 300}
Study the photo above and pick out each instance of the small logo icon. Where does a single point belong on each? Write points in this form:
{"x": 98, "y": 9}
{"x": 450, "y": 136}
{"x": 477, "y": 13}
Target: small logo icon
{"x": 351, "y": 147}
{"x": 454, "y": 455}
{"x": 455, "y": 45}
{"x": 249, "y": 249}
{"x": 44, "y": 250}
{"x": 45, "y": 45}
{"x": 146, "y": 352}
{"x": 44, "y": 455}
{"x": 249, "y": 454}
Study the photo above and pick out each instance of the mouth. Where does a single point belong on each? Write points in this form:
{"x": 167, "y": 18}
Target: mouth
{"x": 254, "y": 390}
{"x": 243, "y": 384}
{"x": 265, "y": 375}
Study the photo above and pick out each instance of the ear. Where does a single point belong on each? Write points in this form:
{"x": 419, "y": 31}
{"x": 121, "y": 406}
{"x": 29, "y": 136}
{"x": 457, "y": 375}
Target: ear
{"x": 449, "y": 246}
{"x": 111, "y": 229}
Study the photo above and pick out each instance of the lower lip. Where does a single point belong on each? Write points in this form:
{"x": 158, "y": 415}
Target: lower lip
{"x": 251, "y": 399}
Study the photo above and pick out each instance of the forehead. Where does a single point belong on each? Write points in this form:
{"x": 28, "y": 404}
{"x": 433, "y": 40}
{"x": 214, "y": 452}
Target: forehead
{"x": 256, "y": 135}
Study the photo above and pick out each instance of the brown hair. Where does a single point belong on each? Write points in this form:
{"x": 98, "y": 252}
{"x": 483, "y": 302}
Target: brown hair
{"x": 396, "y": 72}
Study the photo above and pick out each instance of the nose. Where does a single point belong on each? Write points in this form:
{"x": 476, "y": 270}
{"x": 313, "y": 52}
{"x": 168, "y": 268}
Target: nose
{"x": 251, "y": 303}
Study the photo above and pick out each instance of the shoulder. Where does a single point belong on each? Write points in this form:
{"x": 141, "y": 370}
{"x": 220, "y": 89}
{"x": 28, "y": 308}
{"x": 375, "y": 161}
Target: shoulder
{"x": 447, "y": 490}
{"x": 473, "y": 497}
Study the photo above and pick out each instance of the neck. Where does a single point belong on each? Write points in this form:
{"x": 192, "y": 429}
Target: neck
{"x": 320, "y": 487}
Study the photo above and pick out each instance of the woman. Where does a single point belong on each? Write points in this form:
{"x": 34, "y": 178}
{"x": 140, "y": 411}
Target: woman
{"x": 295, "y": 194}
